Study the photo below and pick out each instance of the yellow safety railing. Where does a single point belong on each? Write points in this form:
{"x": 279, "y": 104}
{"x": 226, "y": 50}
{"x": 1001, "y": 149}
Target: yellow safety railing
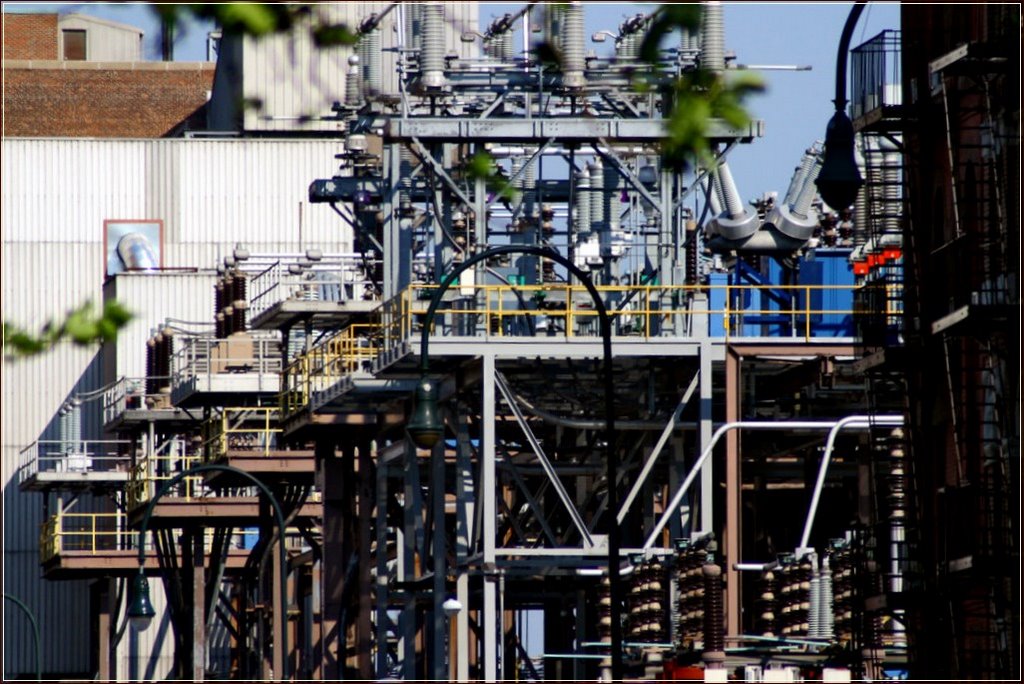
{"x": 638, "y": 311}
{"x": 570, "y": 309}
{"x": 252, "y": 428}
{"x": 337, "y": 356}
{"x": 95, "y": 533}
{"x": 152, "y": 471}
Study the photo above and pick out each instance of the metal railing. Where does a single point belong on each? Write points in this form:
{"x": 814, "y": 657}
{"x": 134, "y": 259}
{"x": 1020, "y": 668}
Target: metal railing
{"x": 81, "y": 456}
{"x": 203, "y": 357}
{"x": 151, "y": 471}
{"x": 253, "y": 429}
{"x": 875, "y": 74}
{"x": 130, "y": 393}
{"x": 348, "y": 351}
{"x": 333, "y": 278}
{"x": 644, "y": 311}
{"x": 99, "y": 533}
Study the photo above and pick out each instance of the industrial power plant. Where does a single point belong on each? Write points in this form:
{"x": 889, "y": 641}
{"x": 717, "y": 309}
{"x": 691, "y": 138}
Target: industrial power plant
{"x": 451, "y": 360}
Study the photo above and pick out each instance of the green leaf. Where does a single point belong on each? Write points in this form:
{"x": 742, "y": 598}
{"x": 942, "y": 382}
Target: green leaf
{"x": 330, "y": 35}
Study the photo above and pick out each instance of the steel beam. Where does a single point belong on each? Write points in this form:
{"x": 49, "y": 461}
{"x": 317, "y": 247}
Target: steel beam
{"x": 563, "y": 129}
{"x": 488, "y": 493}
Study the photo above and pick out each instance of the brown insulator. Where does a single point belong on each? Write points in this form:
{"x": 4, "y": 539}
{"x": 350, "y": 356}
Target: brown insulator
{"x": 714, "y": 616}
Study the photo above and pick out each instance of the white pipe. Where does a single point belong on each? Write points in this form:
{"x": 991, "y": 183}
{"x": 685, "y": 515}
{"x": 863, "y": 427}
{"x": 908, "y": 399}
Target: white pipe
{"x": 756, "y": 425}
{"x": 853, "y": 422}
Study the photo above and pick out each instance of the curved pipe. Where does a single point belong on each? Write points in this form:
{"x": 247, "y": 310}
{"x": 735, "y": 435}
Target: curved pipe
{"x": 849, "y": 421}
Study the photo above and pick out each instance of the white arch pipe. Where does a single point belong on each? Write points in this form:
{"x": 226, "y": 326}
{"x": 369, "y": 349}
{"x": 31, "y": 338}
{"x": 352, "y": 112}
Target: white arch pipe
{"x": 834, "y": 426}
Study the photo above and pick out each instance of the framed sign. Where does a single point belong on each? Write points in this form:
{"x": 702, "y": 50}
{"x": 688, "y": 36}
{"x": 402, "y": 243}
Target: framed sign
{"x": 133, "y": 245}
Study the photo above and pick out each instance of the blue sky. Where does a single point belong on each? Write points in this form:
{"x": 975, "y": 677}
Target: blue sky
{"x": 795, "y": 108}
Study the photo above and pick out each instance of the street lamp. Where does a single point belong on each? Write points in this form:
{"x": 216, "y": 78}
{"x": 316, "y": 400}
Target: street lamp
{"x": 140, "y": 610}
{"x": 426, "y": 429}
{"x": 839, "y": 179}
{"x": 35, "y": 631}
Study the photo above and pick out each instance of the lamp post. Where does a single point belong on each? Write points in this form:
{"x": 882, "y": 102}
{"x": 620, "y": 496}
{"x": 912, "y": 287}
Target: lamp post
{"x": 35, "y": 631}
{"x": 426, "y": 429}
{"x": 839, "y": 178}
{"x": 140, "y": 610}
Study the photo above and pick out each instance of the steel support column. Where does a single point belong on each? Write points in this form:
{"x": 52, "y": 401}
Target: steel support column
{"x": 488, "y": 494}
{"x": 733, "y": 491}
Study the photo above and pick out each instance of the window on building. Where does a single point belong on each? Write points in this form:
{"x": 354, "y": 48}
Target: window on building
{"x": 74, "y": 44}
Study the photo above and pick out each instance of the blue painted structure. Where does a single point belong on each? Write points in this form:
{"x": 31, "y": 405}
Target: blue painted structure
{"x": 771, "y": 311}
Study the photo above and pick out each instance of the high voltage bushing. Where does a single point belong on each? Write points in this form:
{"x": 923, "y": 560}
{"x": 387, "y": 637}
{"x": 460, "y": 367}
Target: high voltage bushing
{"x": 690, "y": 559}
{"x": 843, "y": 590}
{"x": 353, "y": 83}
{"x": 645, "y": 602}
{"x": 604, "y": 615}
{"x": 432, "y": 47}
{"x": 767, "y": 605}
{"x": 573, "y": 62}
{"x": 597, "y": 199}
{"x": 714, "y": 616}
{"x": 371, "y": 59}
{"x": 712, "y": 55}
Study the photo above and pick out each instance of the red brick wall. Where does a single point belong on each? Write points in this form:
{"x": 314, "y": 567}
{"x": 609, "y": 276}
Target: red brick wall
{"x": 30, "y": 36}
{"x": 103, "y": 100}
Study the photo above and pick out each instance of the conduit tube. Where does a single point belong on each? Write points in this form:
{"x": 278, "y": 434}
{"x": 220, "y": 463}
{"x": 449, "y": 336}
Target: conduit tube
{"x": 834, "y": 426}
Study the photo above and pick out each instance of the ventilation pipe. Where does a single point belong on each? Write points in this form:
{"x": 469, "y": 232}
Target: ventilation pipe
{"x": 573, "y": 62}
{"x": 712, "y": 26}
{"x": 735, "y": 223}
{"x": 432, "y": 47}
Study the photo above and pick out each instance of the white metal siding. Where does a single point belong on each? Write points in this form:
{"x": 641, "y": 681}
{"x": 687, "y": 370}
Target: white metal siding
{"x": 56, "y": 195}
{"x": 105, "y": 41}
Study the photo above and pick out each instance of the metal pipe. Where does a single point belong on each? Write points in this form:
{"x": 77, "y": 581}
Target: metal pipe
{"x": 849, "y": 421}
{"x": 852, "y": 422}
{"x": 35, "y": 632}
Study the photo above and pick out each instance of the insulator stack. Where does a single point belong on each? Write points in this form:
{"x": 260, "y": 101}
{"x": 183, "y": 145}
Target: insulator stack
{"x": 240, "y": 303}
{"x": 151, "y": 366}
{"x": 218, "y": 308}
{"x": 896, "y": 499}
{"x": 597, "y": 199}
{"x": 767, "y": 605}
{"x": 604, "y": 616}
{"x": 690, "y": 602}
{"x": 164, "y": 350}
{"x": 370, "y": 60}
{"x": 714, "y": 616}
{"x": 432, "y": 46}
{"x": 583, "y": 201}
{"x": 646, "y": 603}
{"x": 843, "y": 590}
{"x": 795, "y": 597}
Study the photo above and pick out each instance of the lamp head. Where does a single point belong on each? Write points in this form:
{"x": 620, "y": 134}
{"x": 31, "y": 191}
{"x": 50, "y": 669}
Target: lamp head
{"x": 140, "y": 610}
{"x": 839, "y": 179}
{"x": 425, "y": 426}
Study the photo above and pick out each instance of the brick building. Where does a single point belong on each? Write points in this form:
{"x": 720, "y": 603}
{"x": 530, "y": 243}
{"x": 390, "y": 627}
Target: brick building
{"x": 77, "y": 76}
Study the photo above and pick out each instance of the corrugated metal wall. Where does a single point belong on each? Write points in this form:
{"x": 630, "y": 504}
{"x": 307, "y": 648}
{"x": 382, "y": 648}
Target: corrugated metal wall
{"x": 292, "y": 79}
{"x": 56, "y": 195}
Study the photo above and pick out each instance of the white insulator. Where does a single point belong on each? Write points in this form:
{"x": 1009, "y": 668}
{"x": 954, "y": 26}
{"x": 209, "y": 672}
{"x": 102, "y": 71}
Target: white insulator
{"x": 508, "y": 47}
{"x": 75, "y": 426}
{"x": 353, "y": 83}
{"x": 597, "y": 199}
{"x": 573, "y": 62}
{"x": 712, "y": 54}
{"x": 714, "y": 200}
{"x": 371, "y": 58}
{"x": 892, "y": 189}
{"x": 529, "y": 188}
{"x": 802, "y": 204}
{"x": 826, "y": 606}
{"x": 800, "y": 175}
{"x": 583, "y": 201}
{"x": 612, "y": 184}
{"x": 405, "y": 166}
{"x": 413, "y": 25}
{"x": 860, "y": 205}
{"x": 62, "y": 426}
{"x": 723, "y": 178}
{"x": 432, "y": 47}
